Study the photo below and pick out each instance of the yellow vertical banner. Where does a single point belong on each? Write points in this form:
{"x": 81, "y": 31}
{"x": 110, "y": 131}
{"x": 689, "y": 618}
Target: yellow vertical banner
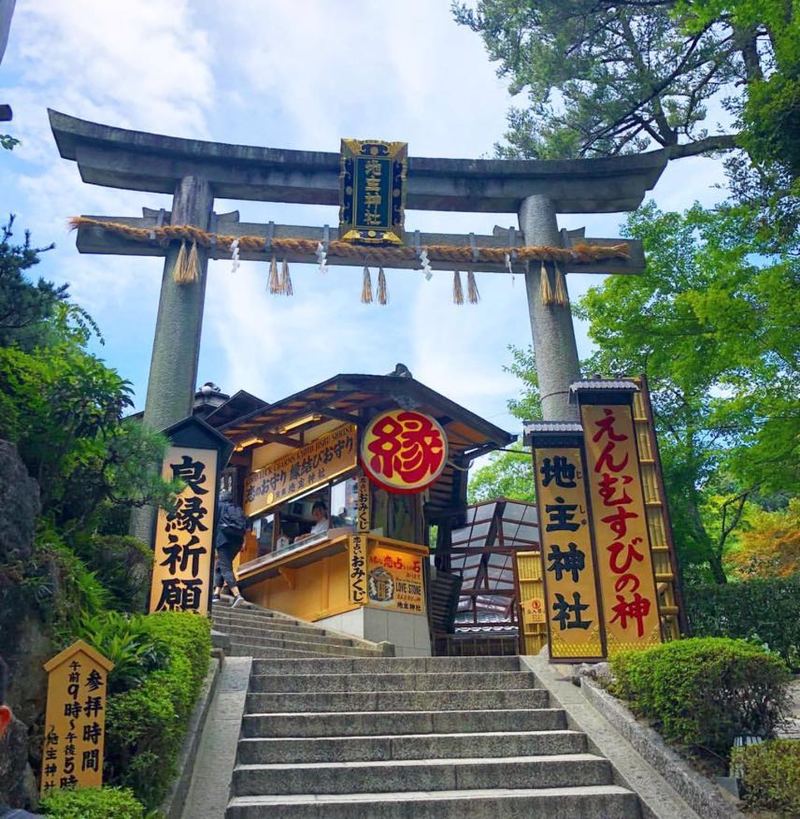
{"x": 532, "y": 614}
{"x": 363, "y": 506}
{"x": 75, "y": 718}
{"x": 184, "y": 538}
{"x": 619, "y": 515}
{"x": 357, "y": 569}
{"x": 574, "y": 617}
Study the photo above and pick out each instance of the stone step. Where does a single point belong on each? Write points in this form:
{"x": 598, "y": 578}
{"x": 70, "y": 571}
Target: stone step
{"x": 277, "y": 638}
{"x": 276, "y": 653}
{"x": 259, "y": 751}
{"x": 279, "y": 630}
{"x": 322, "y": 682}
{"x": 485, "y": 699}
{"x": 362, "y": 723}
{"x": 292, "y": 648}
{"x": 255, "y": 616}
{"x": 387, "y": 665}
{"x": 245, "y": 650}
{"x": 558, "y": 770}
{"x": 593, "y": 802}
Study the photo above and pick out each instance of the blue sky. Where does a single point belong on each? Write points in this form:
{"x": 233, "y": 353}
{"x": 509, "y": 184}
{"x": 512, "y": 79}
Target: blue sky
{"x": 297, "y": 74}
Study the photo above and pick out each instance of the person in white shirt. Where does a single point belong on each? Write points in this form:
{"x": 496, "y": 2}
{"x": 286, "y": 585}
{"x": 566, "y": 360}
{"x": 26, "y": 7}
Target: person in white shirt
{"x": 319, "y": 511}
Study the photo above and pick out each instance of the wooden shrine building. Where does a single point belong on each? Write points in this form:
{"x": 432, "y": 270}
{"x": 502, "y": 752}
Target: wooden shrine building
{"x": 368, "y": 572}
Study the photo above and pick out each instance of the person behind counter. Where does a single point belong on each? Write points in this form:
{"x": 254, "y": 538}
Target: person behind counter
{"x": 322, "y": 522}
{"x": 319, "y": 511}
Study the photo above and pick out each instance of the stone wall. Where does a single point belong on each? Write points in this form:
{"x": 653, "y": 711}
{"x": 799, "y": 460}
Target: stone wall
{"x": 25, "y": 645}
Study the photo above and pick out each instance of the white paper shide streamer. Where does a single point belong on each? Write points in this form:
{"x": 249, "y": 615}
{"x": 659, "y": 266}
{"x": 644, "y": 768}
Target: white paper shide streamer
{"x": 234, "y": 255}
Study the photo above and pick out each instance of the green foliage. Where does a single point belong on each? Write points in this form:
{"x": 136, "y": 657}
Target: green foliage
{"x": 770, "y": 775}
{"x": 770, "y": 546}
{"x": 704, "y": 692}
{"x": 713, "y": 325}
{"x": 63, "y": 408}
{"x": 528, "y": 407}
{"x": 763, "y": 611}
{"x": 61, "y": 583}
{"x": 145, "y": 725}
{"x": 604, "y": 78}
{"x": 129, "y": 643}
{"x": 122, "y": 564}
{"x": 506, "y": 475}
{"x": 93, "y": 803}
{"x": 24, "y": 307}
{"x": 8, "y": 143}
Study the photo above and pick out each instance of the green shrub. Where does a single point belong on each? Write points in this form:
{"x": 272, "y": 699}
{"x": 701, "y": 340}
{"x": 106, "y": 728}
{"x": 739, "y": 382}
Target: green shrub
{"x": 770, "y": 775}
{"x": 764, "y": 610}
{"x": 93, "y": 803}
{"x": 62, "y": 584}
{"x": 145, "y": 726}
{"x": 129, "y": 643}
{"x": 704, "y": 692}
{"x": 122, "y": 565}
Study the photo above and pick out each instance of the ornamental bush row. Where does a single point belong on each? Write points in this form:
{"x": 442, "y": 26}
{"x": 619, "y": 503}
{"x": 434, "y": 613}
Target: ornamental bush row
{"x": 764, "y": 610}
{"x": 704, "y": 692}
{"x": 145, "y": 724}
{"x": 92, "y": 803}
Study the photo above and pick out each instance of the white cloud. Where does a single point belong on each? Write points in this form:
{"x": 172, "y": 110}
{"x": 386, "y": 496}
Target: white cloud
{"x": 288, "y": 73}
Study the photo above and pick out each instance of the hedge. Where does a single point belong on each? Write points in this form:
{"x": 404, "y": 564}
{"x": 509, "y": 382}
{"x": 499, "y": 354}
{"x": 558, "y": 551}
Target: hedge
{"x": 145, "y": 726}
{"x": 704, "y": 692}
{"x": 770, "y": 775}
{"x": 92, "y": 803}
{"x": 767, "y": 611}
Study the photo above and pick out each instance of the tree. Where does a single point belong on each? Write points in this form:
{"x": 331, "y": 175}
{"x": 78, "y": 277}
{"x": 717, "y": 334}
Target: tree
{"x": 63, "y": 407}
{"x": 23, "y": 307}
{"x": 604, "y": 78}
{"x": 506, "y": 475}
{"x": 767, "y": 111}
{"x": 770, "y": 546}
{"x": 713, "y": 322}
{"x": 510, "y": 474}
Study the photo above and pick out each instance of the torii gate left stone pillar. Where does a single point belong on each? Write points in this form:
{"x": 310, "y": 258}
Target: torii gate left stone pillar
{"x": 195, "y": 172}
{"x": 176, "y": 345}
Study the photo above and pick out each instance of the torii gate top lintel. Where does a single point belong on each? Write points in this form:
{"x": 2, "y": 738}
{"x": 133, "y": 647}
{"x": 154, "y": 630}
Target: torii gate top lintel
{"x": 138, "y": 160}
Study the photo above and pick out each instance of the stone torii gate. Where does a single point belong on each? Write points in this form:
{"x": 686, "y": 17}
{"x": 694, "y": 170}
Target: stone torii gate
{"x": 194, "y": 172}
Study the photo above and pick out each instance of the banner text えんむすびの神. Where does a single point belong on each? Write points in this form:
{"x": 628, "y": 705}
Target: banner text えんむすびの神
{"x": 625, "y": 566}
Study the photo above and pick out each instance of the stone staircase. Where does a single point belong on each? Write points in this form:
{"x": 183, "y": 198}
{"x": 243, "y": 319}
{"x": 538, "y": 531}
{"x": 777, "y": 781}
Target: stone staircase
{"x": 251, "y": 631}
{"x": 331, "y": 735}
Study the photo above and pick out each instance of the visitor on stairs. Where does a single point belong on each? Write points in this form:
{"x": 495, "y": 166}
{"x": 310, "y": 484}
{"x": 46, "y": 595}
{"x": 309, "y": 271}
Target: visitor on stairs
{"x": 231, "y": 526}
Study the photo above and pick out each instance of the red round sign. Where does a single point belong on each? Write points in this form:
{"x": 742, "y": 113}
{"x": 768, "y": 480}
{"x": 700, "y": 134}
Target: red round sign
{"x": 403, "y": 451}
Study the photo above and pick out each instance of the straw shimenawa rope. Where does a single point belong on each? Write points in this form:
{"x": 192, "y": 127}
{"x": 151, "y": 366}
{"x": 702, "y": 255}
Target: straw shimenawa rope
{"x": 577, "y": 254}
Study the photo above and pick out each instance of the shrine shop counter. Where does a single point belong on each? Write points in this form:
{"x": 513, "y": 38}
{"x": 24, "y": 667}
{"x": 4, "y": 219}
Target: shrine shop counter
{"x": 365, "y": 585}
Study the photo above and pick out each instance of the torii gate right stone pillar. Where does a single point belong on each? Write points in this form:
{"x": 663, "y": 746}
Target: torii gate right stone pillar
{"x": 554, "y": 346}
